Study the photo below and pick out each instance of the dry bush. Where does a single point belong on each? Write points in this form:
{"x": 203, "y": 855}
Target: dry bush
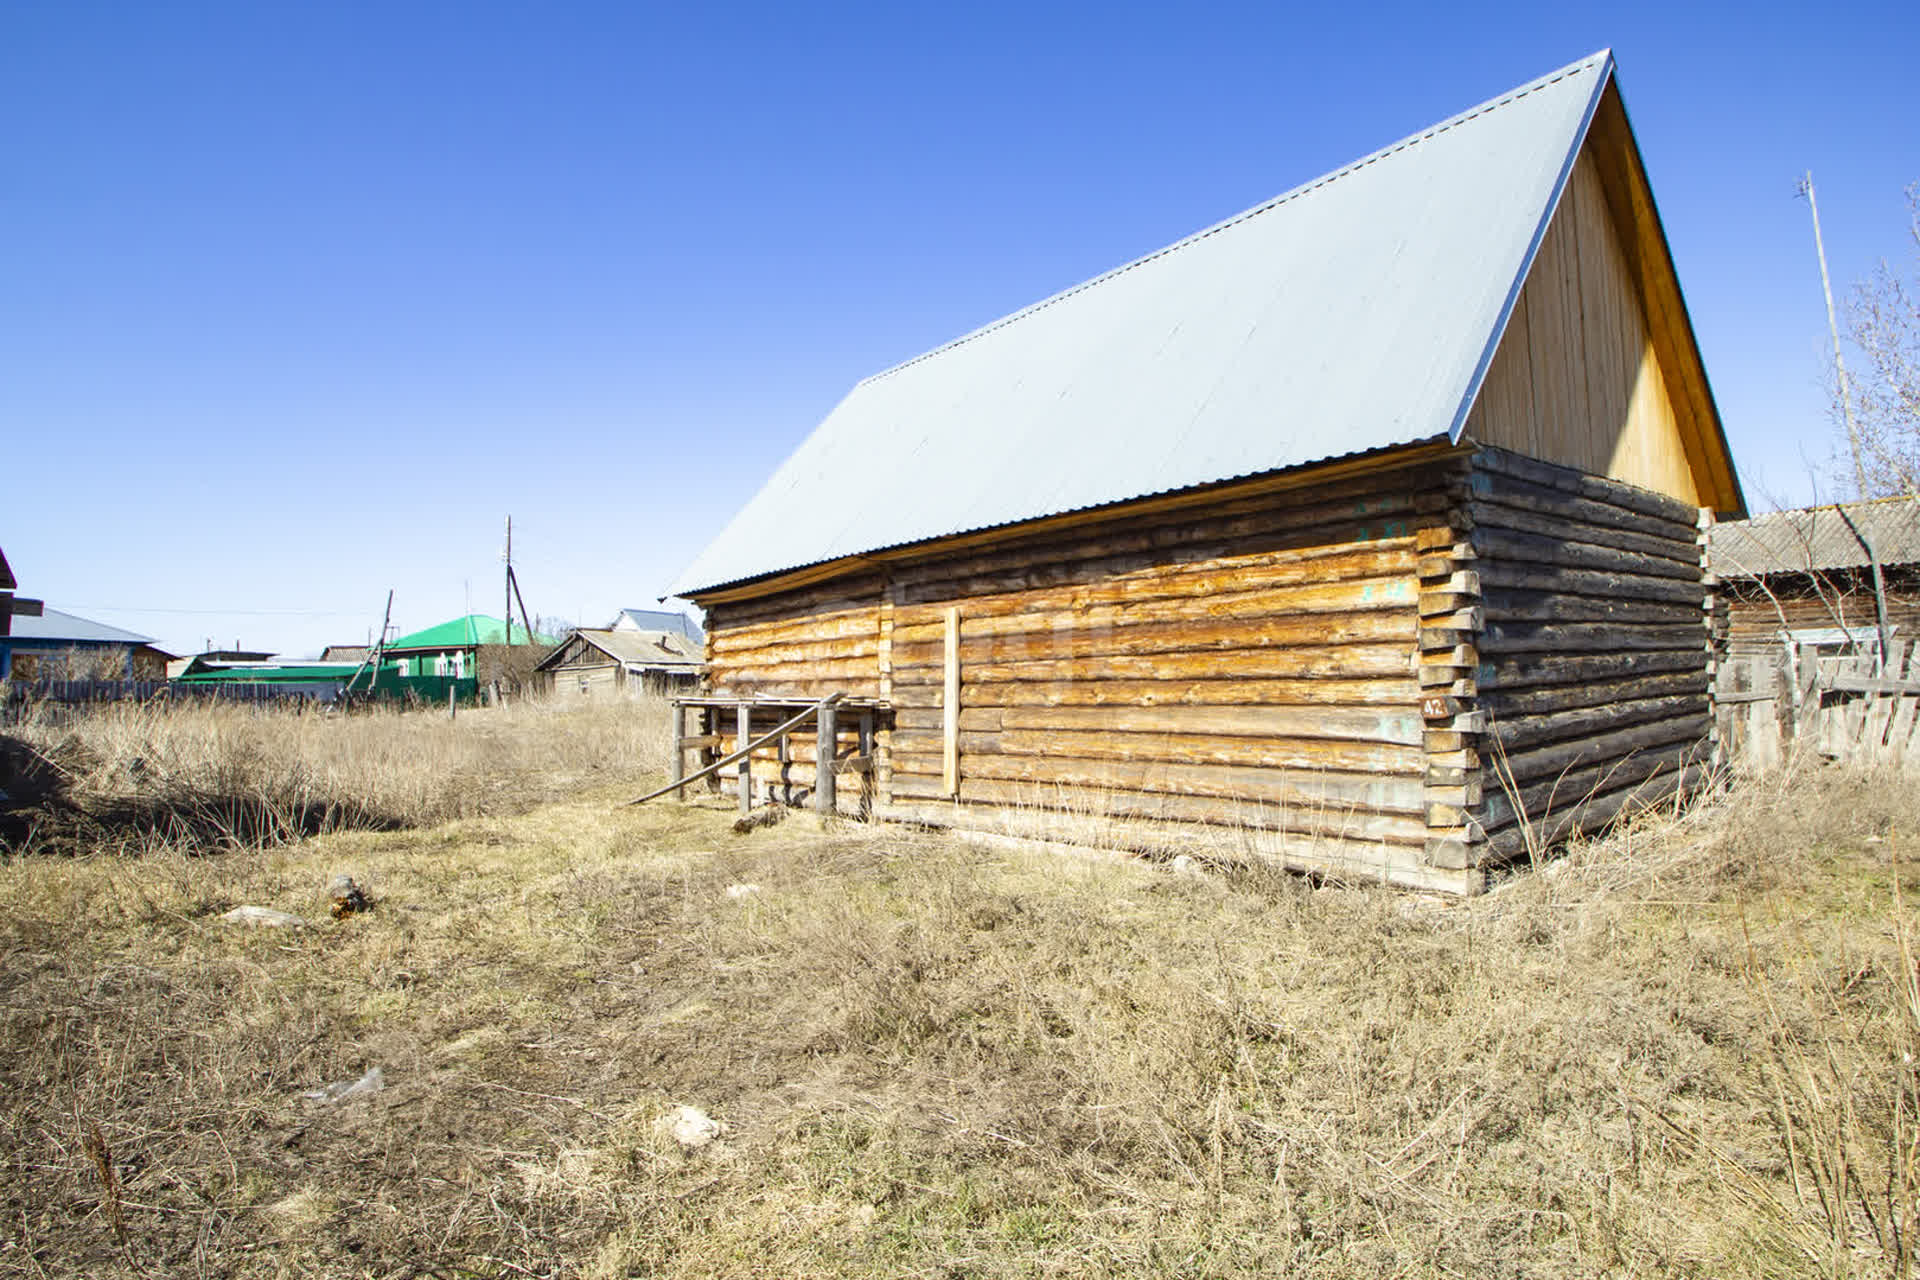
{"x": 199, "y": 773}
{"x": 931, "y": 1058}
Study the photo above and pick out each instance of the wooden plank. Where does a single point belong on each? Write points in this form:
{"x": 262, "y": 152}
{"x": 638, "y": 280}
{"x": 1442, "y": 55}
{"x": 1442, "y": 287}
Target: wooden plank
{"x": 1226, "y": 691}
{"x": 825, "y": 798}
{"x": 1871, "y": 684}
{"x": 885, "y": 656}
{"x": 1506, "y": 464}
{"x": 1588, "y": 637}
{"x": 1561, "y": 578}
{"x": 1646, "y": 536}
{"x": 743, "y": 736}
{"x": 1505, "y": 604}
{"x": 1584, "y": 723}
{"x": 1378, "y": 509}
{"x": 1066, "y": 637}
{"x": 799, "y": 628}
{"x": 1496, "y": 499}
{"x": 1635, "y": 795}
{"x": 865, "y": 648}
{"x": 1360, "y": 793}
{"x": 1408, "y": 465}
{"x": 950, "y": 705}
{"x": 1446, "y": 603}
{"x": 1340, "y": 662}
{"x": 1526, "y": 670}
{"x": 1231, "y": 597}
{"x": 1558, "y": 758}
{"x": 1566, "y": 550}
{"x": 1504, "y": 702}
{"x": 679, "y": 767}
{"x": 1186, "y": 749}
{"x": 1054, "y": 581}
{"x": 1400, "y": 725}
{"x": 852, "y": 593}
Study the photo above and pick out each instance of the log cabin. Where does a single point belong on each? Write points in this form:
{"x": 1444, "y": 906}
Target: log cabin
{"x": 1360, "y": 530}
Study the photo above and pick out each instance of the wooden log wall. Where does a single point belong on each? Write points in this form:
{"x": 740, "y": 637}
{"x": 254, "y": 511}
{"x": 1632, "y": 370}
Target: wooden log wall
{"x": 1250, "y": 665}
{"x": 1835, "y": 599}
{"x": 801, "y": 645}
{"x": 1593, "y": 663}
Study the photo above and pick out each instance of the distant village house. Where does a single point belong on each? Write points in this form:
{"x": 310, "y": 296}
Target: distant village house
{"x": 643, "y": 650}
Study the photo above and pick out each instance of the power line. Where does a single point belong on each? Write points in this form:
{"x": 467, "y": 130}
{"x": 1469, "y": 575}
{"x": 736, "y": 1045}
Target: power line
{"x": 230, "y": 613}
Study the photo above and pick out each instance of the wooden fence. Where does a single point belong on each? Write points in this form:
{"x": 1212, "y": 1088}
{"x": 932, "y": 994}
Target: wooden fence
{"x": 1839, "y": 706}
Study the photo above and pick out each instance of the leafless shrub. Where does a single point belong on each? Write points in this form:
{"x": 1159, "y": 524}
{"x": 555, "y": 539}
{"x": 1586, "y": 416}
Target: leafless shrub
{"x": 1883, "y": 321}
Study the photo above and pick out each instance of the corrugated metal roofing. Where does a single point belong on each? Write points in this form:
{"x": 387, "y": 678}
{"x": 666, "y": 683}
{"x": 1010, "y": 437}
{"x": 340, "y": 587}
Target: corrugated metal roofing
{"x": 473, "y": 629}
{"x": 1815, "y": 539}
{"x": 53, "y": 627}
{"x": 1354, "y": 313}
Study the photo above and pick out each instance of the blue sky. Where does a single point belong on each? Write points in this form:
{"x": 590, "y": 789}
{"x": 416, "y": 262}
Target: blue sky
{"x": 301, "y": 301}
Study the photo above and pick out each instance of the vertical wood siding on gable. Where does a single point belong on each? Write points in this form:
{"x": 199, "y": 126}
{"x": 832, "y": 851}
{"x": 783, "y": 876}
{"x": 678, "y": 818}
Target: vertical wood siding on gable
{"x": 1577, "y": 378}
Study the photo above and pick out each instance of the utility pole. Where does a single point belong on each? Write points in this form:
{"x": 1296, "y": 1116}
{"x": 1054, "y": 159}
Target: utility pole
{"x": 507, "y": 557}
{"x": 1839, "y": 366}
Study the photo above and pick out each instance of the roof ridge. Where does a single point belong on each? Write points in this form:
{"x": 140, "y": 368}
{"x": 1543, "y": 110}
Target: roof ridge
{"x": 1884, "y": 502}
{"x": 1596, "y": 59}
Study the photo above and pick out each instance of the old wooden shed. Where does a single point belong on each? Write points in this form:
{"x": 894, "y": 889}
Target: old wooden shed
{"x": 1360, "y": 529}
{"x": 1820, "y": 577}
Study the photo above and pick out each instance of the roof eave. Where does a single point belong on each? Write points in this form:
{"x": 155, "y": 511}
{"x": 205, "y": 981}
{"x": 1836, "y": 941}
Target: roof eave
{"x": 1519, "y": 282}
{"x": 1408, "y": 454}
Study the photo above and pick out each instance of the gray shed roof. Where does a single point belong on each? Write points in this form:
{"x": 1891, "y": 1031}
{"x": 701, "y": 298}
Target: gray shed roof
{"x": 660, "y": 620}
{"x": 55, "y": 627}
{"x": 1815, "y": 539}
{"x": 1354, "y": 313}
{"x": 654, "y": 649}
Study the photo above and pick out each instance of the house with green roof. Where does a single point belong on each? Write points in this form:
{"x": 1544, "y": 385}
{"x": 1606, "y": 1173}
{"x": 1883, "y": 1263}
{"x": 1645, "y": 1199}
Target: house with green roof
{"x": 459, "y": 649}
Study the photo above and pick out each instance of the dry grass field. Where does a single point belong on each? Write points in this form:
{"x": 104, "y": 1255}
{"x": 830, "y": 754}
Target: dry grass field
{"x": 1688, "y": 1049}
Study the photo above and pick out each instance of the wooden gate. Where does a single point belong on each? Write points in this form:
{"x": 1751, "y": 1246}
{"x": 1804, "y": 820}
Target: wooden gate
{"x": 1841, "y": 706}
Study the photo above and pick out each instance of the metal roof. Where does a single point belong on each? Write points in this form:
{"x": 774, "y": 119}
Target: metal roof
{"x": 660, "y": 620}
{"x": 1354, "y": 313}
{"x": 465, "y": 632}
{"x": 656, "y": 648}
{"x": 54, "y": 627}
{"x": 1815, "y": 539}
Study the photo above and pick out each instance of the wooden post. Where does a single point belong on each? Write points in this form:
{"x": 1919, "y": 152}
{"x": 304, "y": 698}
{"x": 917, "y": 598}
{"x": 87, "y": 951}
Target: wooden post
{"x": 679, "y": 749}
{"x": 450, "y": 710}
{"x": 825, "y": 741}
{"x": 866, "y": 757}
{"x": 950, "y": 709}
{"x": 786, "y": 768}
{"x": 743, "y": 722}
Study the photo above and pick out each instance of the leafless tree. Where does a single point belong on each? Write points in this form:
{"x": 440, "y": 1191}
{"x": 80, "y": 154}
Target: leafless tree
{"x": 1883, "y": 322}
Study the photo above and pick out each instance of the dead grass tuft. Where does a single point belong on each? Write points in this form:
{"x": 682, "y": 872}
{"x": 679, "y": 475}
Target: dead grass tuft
{"x": 1686, "y": 1049}
{"x": 223, "y": 775}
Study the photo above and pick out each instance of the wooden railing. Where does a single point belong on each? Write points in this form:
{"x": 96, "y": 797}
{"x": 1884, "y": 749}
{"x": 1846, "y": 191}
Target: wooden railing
{"x": 824, "y": 716}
